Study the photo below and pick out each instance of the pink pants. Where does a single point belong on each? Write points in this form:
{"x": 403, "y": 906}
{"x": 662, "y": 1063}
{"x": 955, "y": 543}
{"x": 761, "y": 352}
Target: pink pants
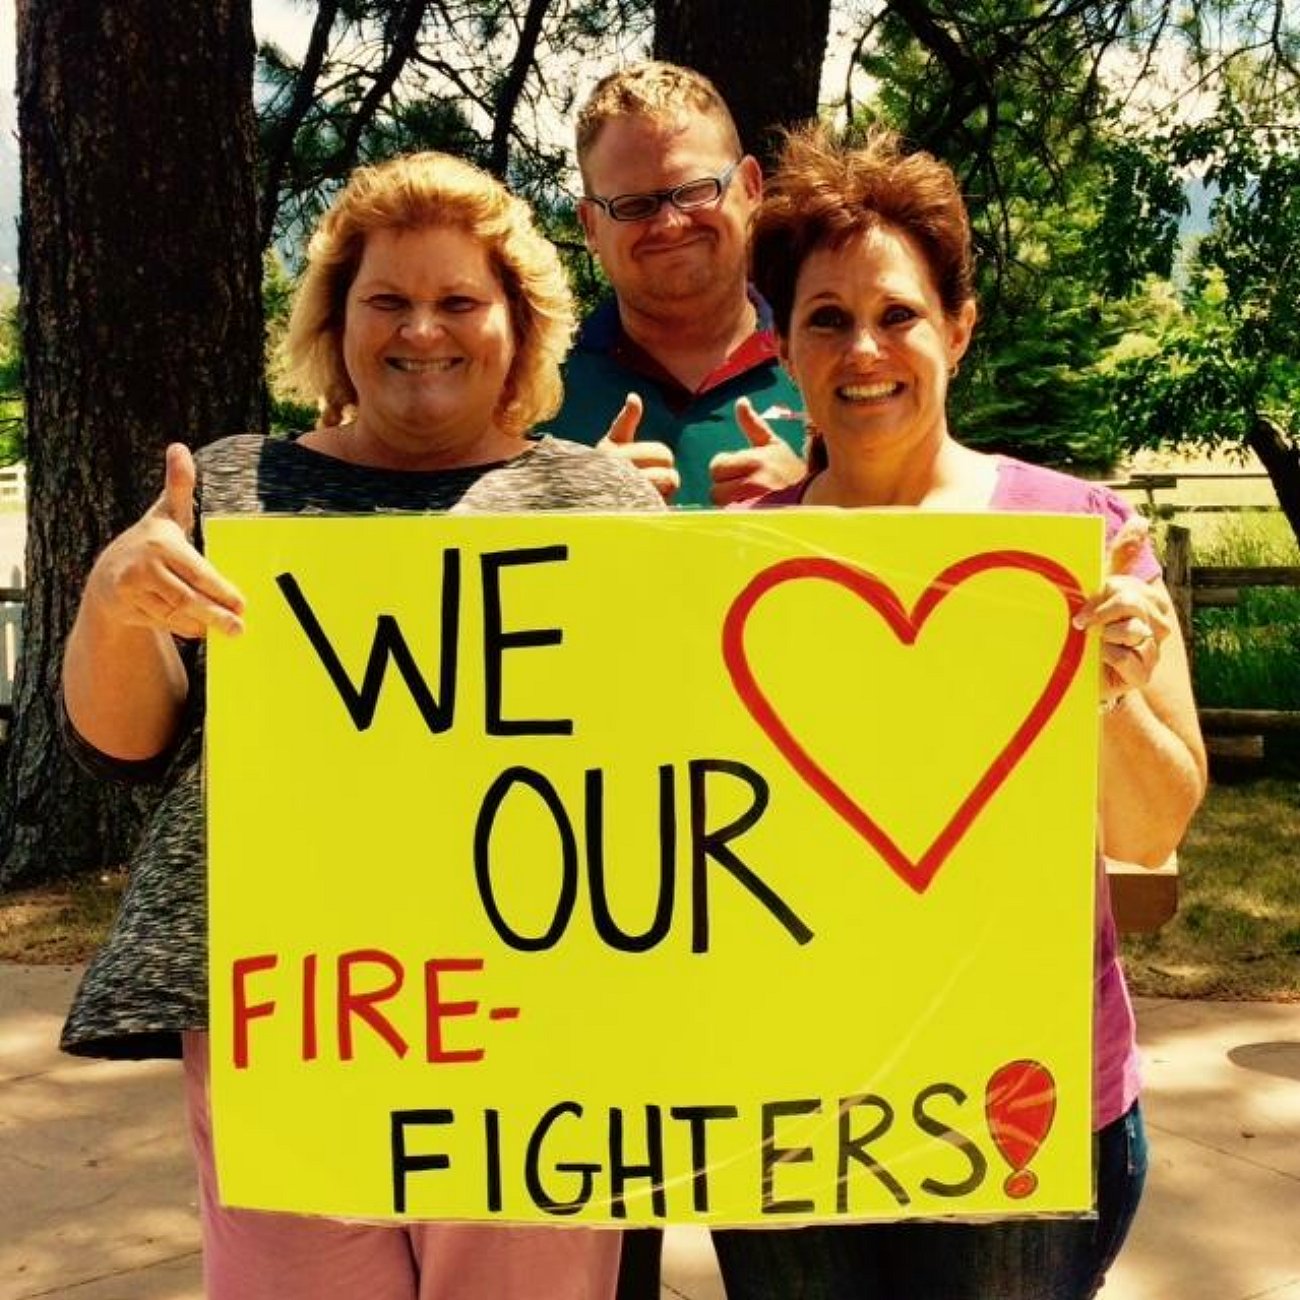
{"x": 253, "y": 1255}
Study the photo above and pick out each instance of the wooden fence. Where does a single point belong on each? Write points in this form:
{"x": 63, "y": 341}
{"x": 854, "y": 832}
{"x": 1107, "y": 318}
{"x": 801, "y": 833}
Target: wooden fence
{"x": 13, "y": 483}
{"x": 11, "y": 609}
{"x": 1235, "y": 733}
{"x": 1149, "y": 484}
{"x": 1143, "y": 903}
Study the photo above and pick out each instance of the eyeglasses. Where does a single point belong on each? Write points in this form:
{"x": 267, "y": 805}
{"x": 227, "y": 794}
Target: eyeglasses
{"x": 684, "y": 197}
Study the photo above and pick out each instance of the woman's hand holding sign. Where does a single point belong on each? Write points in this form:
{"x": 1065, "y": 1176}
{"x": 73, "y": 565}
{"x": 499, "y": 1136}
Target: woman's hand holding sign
{"x": 1153, "y": 766}
{"x": 1134, "y": 617}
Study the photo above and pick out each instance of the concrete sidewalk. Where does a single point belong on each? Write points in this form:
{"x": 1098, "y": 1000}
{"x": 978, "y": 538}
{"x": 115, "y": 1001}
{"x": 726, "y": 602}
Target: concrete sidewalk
{"x": 97, "y": 1198}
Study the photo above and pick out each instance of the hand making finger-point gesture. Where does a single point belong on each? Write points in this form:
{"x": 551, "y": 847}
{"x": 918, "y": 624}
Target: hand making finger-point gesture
{"x": 151, "y": 576}
{"x": 654, "y": 459}
{"x": 125, "y": 684}
{"x": 766, "y": 464}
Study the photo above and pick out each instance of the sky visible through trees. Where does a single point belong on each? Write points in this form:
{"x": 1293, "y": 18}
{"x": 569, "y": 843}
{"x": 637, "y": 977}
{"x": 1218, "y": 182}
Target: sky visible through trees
{"x": 287, "y": 24}
{"x": 274, "y": 20}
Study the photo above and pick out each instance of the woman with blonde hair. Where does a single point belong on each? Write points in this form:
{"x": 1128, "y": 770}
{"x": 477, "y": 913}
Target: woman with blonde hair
{"x": 430, "y": 324}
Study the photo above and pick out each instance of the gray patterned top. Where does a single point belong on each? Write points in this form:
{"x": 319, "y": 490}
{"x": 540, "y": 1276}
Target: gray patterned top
{"x": 149, "y": 981}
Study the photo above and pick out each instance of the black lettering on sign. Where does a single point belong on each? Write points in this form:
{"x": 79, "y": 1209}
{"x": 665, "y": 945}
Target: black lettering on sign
{"x": 532, "y": 1170}
{"x": 927, "y": 1123}
{"x": 492, "y": 1142}
{"x": 496, "y": 641}
{"x": 853, "y": 1148}
{"x": 609, "y": 930}
{"x": 621, "y": 1172}
{"x": 389, "y": 642}
{"x": 405, "y": 1163}
{"x": 567, "y": 894}
{"x": 712, "y": 843}
{"x": 697, "y": 1117}
{"x": 773, "y": 1155}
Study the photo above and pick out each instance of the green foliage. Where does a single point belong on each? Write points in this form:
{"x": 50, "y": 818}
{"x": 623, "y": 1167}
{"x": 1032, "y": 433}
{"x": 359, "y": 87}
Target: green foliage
{"x": 287, "y": 413}
{"x": 1070, "y": 215}
{"x": 1248, "y": 657}
{"x": 1136, "y": 234}
{"x": 1231, "y": 353}
{"x": 12, "y": 424}
{"x": 1076, "y": 192}
{"x": 287, "y": 416}
{"x": 323, "y": 152}
{"x": 1247, "y": 539}
{"x": 474, "y": 78}
{"x": 1076, "y": 195}
{"x": 1187, "y": 386}
{"x": 1034, "y": 389}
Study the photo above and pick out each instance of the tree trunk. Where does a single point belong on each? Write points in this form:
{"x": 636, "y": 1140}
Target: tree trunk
{"x": 1281, "y": 458}
{"x": 766, "y": 61}
{"x": 142, "y": 324}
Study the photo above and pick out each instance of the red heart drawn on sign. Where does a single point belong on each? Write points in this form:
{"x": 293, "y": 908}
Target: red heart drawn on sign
{"x": 907, "y": 627}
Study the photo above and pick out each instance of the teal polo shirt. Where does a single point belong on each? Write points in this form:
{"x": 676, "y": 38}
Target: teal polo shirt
{"x": 604, "y": 367}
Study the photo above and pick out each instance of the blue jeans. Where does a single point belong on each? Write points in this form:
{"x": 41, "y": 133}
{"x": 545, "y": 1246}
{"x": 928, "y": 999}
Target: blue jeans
{"x": 1013, "y": 1259}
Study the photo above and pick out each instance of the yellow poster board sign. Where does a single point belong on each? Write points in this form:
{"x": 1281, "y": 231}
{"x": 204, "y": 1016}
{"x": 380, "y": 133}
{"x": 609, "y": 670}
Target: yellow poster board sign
{"x": 722, "y": 868}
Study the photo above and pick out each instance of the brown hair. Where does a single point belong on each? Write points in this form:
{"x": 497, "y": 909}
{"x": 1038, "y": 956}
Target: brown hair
{"x": 662, "y": 91}
{"x": 410, "y": 192}
{"x": 825, "y": 192}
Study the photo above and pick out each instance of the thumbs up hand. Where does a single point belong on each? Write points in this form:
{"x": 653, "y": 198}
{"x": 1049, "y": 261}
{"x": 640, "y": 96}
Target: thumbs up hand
{"x": 152, "y": 576}
{"x": 654, "y": 459}
{"x": 766, "y": 464}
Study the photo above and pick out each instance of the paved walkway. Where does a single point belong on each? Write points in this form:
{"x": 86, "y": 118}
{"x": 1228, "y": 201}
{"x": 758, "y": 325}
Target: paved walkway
{"x": 97, "y": 1199}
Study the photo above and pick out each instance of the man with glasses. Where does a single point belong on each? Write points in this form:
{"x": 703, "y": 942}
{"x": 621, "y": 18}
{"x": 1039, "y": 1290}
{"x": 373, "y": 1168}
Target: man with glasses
{"x": 678, "y": 372}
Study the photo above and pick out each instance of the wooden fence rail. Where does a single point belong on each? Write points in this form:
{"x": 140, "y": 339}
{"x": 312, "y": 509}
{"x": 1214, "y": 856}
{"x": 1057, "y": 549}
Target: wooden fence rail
{"x": 1196, "y": 586}
{"x": 11, "y": 603}
{"x": 1169, "y": 480}
{"x": 13, "y": 483}
{"x": 1230, "y": 734}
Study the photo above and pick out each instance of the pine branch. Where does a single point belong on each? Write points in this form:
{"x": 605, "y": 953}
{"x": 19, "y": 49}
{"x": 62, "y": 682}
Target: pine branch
{"x": 279, "y": 149}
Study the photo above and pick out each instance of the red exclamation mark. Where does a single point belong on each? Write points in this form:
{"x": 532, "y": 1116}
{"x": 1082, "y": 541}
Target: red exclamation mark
{"x": 1020, "y": 1103}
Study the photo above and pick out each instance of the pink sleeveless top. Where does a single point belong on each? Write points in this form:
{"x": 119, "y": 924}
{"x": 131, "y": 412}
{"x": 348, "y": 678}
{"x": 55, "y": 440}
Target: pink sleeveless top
{"x": 1030, "y": 489}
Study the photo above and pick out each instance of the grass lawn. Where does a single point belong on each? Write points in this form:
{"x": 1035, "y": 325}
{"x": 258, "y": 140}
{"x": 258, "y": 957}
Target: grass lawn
{"x": 1237, "y": 930}
{"x": 58, "y": 924}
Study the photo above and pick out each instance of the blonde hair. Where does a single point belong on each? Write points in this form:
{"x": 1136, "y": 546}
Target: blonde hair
{"x": 410, "y": 192}
{"x": 661, "y": 91}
